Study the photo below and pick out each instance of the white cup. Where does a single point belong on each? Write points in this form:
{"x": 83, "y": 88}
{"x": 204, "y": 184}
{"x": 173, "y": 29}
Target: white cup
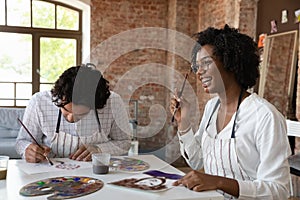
{"x": 3, "y": 166}
{"x": 100, "y": 163}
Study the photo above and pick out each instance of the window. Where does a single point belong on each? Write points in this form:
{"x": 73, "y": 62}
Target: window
{"x": 39, "y": 40}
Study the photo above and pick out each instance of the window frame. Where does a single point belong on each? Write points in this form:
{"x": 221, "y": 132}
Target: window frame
{"x": 37, "y": 33}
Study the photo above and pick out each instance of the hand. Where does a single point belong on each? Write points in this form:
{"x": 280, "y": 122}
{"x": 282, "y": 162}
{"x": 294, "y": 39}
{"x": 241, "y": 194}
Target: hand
{"x": 182, "y": 113}
{"x": 35, "y": 154}
{"x": 198, "y": 181}
{"x": 84, "y": 153}
{"x": 173, "y": 104}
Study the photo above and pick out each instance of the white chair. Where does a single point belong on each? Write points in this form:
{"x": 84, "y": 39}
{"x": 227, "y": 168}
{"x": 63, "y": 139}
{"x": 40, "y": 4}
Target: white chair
{"x": 293, "y": 129}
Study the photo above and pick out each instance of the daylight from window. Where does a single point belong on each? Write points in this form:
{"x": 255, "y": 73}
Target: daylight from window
{"x": 30, "y": 57}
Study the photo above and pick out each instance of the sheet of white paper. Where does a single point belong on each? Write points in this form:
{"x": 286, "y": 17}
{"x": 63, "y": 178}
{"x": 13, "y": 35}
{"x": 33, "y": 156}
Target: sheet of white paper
{"x": 60, "y": 164}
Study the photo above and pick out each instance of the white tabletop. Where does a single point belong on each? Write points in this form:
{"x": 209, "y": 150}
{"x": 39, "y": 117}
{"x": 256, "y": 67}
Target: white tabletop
{"x": 16, "y": 179}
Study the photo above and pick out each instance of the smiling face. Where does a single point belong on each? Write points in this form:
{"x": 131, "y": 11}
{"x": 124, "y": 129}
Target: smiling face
{"x": 211, "y": 72}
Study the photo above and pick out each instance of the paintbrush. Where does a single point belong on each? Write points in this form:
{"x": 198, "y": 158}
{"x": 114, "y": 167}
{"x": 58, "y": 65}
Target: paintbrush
{"x": 179, "y": 96}
{"x": 49, "y": 161}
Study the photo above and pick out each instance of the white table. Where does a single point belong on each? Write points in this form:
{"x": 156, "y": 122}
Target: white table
{"x": 16, "y": 179}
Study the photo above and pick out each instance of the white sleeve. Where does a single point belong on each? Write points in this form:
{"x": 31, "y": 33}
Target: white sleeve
{"x": 190, "y": 148}
{"x": 190, "y": 143}
{"x": 31, "y": 121}
{"x": 272, "y": 181}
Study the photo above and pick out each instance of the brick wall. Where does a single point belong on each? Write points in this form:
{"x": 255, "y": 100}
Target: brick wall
{"x": 116, "y": 54}
{"x": 247, "y": 17}
{"x": 279, "y": 62}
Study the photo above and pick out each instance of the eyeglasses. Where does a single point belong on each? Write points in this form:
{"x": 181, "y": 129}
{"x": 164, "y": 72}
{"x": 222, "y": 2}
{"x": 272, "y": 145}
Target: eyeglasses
{"x": 203, "y": 65}
{"x": 79, "y": 114}
{"x": 59, "y": 103}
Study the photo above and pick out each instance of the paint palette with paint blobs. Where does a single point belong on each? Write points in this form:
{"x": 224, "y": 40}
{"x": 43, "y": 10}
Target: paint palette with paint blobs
{"x": 127, "y": 164}
{"x": 62, "y": 187}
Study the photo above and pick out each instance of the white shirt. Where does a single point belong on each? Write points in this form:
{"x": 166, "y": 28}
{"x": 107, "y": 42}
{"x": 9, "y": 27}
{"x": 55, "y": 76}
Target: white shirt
{"x": 41, "y": 116}
{"x": 261, "y": 144}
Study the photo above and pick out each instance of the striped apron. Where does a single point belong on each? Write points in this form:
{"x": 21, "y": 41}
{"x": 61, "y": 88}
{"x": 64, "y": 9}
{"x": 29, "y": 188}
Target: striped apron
{"x": 64, "y": 144}
{"x": 219, "y": 155}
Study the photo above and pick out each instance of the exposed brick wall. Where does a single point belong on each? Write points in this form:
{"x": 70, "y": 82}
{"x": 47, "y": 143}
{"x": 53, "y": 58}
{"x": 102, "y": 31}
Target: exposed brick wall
{"x": 113, "y": 17}
{"x": 248, "y": 17}
{"x": 212, "y": 13}
{"x": 110, "y": 17}
{"x": 279, "y": 62}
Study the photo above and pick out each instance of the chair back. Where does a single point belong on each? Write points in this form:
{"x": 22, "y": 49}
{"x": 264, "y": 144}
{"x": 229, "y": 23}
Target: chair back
{"x": 293, "y": 128}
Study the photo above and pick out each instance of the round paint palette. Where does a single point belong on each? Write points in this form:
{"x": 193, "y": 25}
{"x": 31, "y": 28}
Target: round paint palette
{"x": 127, "y": 164}
{"x": 62, "y": 187}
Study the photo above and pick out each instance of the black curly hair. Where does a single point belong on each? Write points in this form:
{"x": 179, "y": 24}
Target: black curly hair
{"x": 238, "y": 53}
{"x": 83, "y": 85}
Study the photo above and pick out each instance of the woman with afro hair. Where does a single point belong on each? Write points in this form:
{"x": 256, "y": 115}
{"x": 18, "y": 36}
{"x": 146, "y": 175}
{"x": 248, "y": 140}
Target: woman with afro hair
{"x": 241, "y": 141}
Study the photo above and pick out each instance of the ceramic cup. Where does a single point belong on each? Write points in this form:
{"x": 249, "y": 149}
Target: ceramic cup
{"x": 100, "y": 163}
{"x": 3, "y": 166}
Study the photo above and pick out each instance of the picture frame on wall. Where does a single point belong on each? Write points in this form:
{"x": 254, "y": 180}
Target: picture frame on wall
{"x": 278, "y": 69}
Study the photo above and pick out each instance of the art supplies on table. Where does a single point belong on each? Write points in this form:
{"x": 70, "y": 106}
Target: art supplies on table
{"x": 144, "y": 182}
{"x": 124, "y": 164}
{"x": 157, "y": 173}
{"x": 150, "y": 181}
{"x": 127, "y": 164}
{"x": 59, "y": 164}
{"x": 62, "y": 187}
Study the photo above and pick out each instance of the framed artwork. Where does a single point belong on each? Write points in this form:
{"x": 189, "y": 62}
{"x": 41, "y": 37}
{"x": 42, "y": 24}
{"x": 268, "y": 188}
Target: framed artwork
{"x": 278, "y": 70}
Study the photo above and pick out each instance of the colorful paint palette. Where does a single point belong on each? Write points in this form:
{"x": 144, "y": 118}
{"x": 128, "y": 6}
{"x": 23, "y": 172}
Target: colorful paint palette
{"x": 62, "y": 187}
{"x": 127, "y": 164}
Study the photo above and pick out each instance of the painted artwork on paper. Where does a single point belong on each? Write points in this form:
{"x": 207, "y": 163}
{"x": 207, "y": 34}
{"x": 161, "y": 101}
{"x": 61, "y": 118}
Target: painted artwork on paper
{"x": 59, "y": 164}
{"x": 143, "y": 182}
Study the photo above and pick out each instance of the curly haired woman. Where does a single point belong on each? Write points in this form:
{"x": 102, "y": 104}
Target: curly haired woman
{"x": 241, "y": 141}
